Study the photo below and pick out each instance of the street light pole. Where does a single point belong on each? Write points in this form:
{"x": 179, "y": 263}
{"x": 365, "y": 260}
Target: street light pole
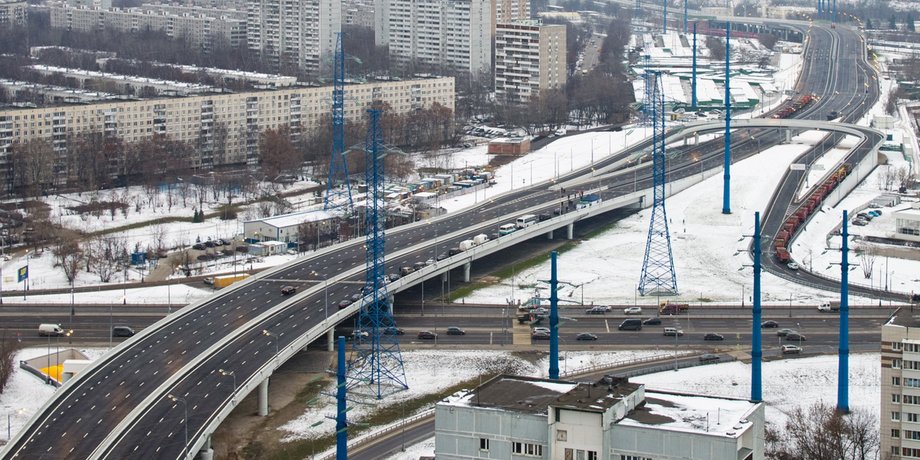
{"x": 274, "y": 337}
{"x": 184, "y": 421}
{"x": 231, "y": 374}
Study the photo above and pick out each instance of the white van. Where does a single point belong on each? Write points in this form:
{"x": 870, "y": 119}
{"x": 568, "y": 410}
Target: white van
{"x": 50, "y": 330}
{"x": 506, "y": 229}
{"x": 526, "y": 221}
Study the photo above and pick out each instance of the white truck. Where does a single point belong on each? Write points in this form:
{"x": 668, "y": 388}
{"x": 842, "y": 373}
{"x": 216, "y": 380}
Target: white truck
{"x": 466, "y": 245}
{"x": 53, "y": 330}
{"x": 480, "y": 238}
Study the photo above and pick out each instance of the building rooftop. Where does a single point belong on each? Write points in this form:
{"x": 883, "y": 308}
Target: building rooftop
{"x": 295, "y": 218}
{"x": 905, "y": 317}
{"x": 534, "y": 395}
{"x": 689, "y": 413}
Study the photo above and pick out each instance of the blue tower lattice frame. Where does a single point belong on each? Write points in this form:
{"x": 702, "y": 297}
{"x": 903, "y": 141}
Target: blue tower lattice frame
{"x": 376, "y": 358}
{"x": 338, "y": 188}
{"x": 647, "y": 101}
{"x": 658, "y": 274}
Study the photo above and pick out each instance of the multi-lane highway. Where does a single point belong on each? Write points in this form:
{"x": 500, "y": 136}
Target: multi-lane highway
{"x": 139, "y": 400}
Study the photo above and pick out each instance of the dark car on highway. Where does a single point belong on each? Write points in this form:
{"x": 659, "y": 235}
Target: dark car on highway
{"x": 795, "y": 336}
{"x": 713, "y": 336}
{"x": 769, "y": 324}
{"x": 585, "y": 336}
{"x": 455, "y": 331}
{"x": 428, "y": 335}
{"x": 393, "y": 330}
{"x": 288, "y": 290}
{"x": 784, "y": 332}
{"x": 652, "y": 322}
{"x": 344, "y": 303}
{"x": 540, "y": 335}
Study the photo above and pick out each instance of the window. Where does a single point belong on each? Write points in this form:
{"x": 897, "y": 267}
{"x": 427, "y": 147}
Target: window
{"x": 562, "y": 435}
{"x": 909, "y": 452}
{"x": 908, "y": 434}
{"x": 897, "y": 433}
{"x": 896, "y": 381}
{"x": 895, "y": 363}
{"x": 634, "y": 457}
{"x": 895, "y": 416}
{"x": 484, "y": 444}
{"x": 896, "y": 346}
{"x": 524, "y": 448}
{"x": 909, "y": 382}
{"x": 912, "y": 417}
{"x": 909, "y": 399}
{"x": 896, "y": 398}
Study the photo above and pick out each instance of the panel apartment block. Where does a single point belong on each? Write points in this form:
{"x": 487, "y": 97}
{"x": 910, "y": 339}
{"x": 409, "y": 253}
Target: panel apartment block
{"x": 295, "y": 32}
{"x": 238, "y": 118}
{"x": 449, "y": 33}
{"x": 899, "y": 414}
{"x": 529, "y": 58}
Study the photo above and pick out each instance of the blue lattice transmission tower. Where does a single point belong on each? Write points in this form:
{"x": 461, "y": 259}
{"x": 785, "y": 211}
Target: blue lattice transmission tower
{"x": 338, "y": 189}
{"x": 376, "y": 359}
{"x": 647, "y": 96}
{"x": 658, "y": 275}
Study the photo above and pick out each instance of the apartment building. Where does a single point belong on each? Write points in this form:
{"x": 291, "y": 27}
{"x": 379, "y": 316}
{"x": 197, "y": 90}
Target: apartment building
{"x": 529, "y": 58}
{"x": 512, "y": 417}
{"x": 899, "y": 416}
{"x": 299, "y": 33}
{"x": 507, "y": 11}
{"x": 104, "y": 4}
{"x": 13, "y": 12}
{"x": 225, "y": 128}
{"x": 201, "y": 30}
{"x": 450, "y": 33}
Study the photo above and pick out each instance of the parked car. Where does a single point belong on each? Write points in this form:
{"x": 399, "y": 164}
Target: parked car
{"x": 199, "y": 246}
{"x": 795, "y": 336}
{"x": 673, "y": 331}
{"x": 783, "y": 332}
{"x": 713, "y": 336}
{"x": 633, "y": 311}
{"x": 585, "y": 336}
{"x": 769, "y": 324}
{"x": 860, "y": 222}
{"x": 540, "y": 335}
{"x": 427, "y": 335}
{"x": 288, "y": 290}
{"x": 209, "y": 281}
{"x": 344, "y": 303}
{"x": 393, "y": 330}
{"x": 455, "y": 331}
{"x": 793, "y": 265}
{"x": 653, "y": 321}
{"x": 596, "y": 311}
{"x": 709, "y": 357}
{"x": 791, "y": 349}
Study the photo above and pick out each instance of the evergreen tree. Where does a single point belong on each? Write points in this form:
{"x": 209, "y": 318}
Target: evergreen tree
{"x": 910, "y": 23}
{"x": 892, "y": 24}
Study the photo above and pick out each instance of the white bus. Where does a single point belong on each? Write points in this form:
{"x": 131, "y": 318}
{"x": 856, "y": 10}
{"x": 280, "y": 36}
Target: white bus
{"x": 506, "y": 229}
{"x": 526, "y": 221}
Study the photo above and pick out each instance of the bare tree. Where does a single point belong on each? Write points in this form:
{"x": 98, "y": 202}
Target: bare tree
{"x": 159, "y": 238}
{"x": 819, "y": 432}
{"x": 104, "y": 254}
{"x": 8, "y": 348}
{"x": 867, "y": 257}
{"x": 69, "y": 256}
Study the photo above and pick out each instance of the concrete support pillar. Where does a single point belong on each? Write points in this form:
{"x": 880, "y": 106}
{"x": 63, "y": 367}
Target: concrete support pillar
{"x": 696, "y": 138}
{"x": 206, "y": 452}
{"x": 330, "y": 340}
{"x": 788, "y": 135}
{"x": 570, "y": 231}
{"x": 263, "y": 398}
{"x": 466, "y": 272}
{"x": 549, "y": 235}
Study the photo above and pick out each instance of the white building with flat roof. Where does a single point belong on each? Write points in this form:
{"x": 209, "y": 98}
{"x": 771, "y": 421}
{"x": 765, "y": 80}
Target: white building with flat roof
{"x": 13, "y": 12}
{"x": 284, "y": 227}
{"x": 521, "y": 417}
{"x": 907, "y": 223}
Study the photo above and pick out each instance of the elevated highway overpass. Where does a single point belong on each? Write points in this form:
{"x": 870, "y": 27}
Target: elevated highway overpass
{"x": 138, "y": 400}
